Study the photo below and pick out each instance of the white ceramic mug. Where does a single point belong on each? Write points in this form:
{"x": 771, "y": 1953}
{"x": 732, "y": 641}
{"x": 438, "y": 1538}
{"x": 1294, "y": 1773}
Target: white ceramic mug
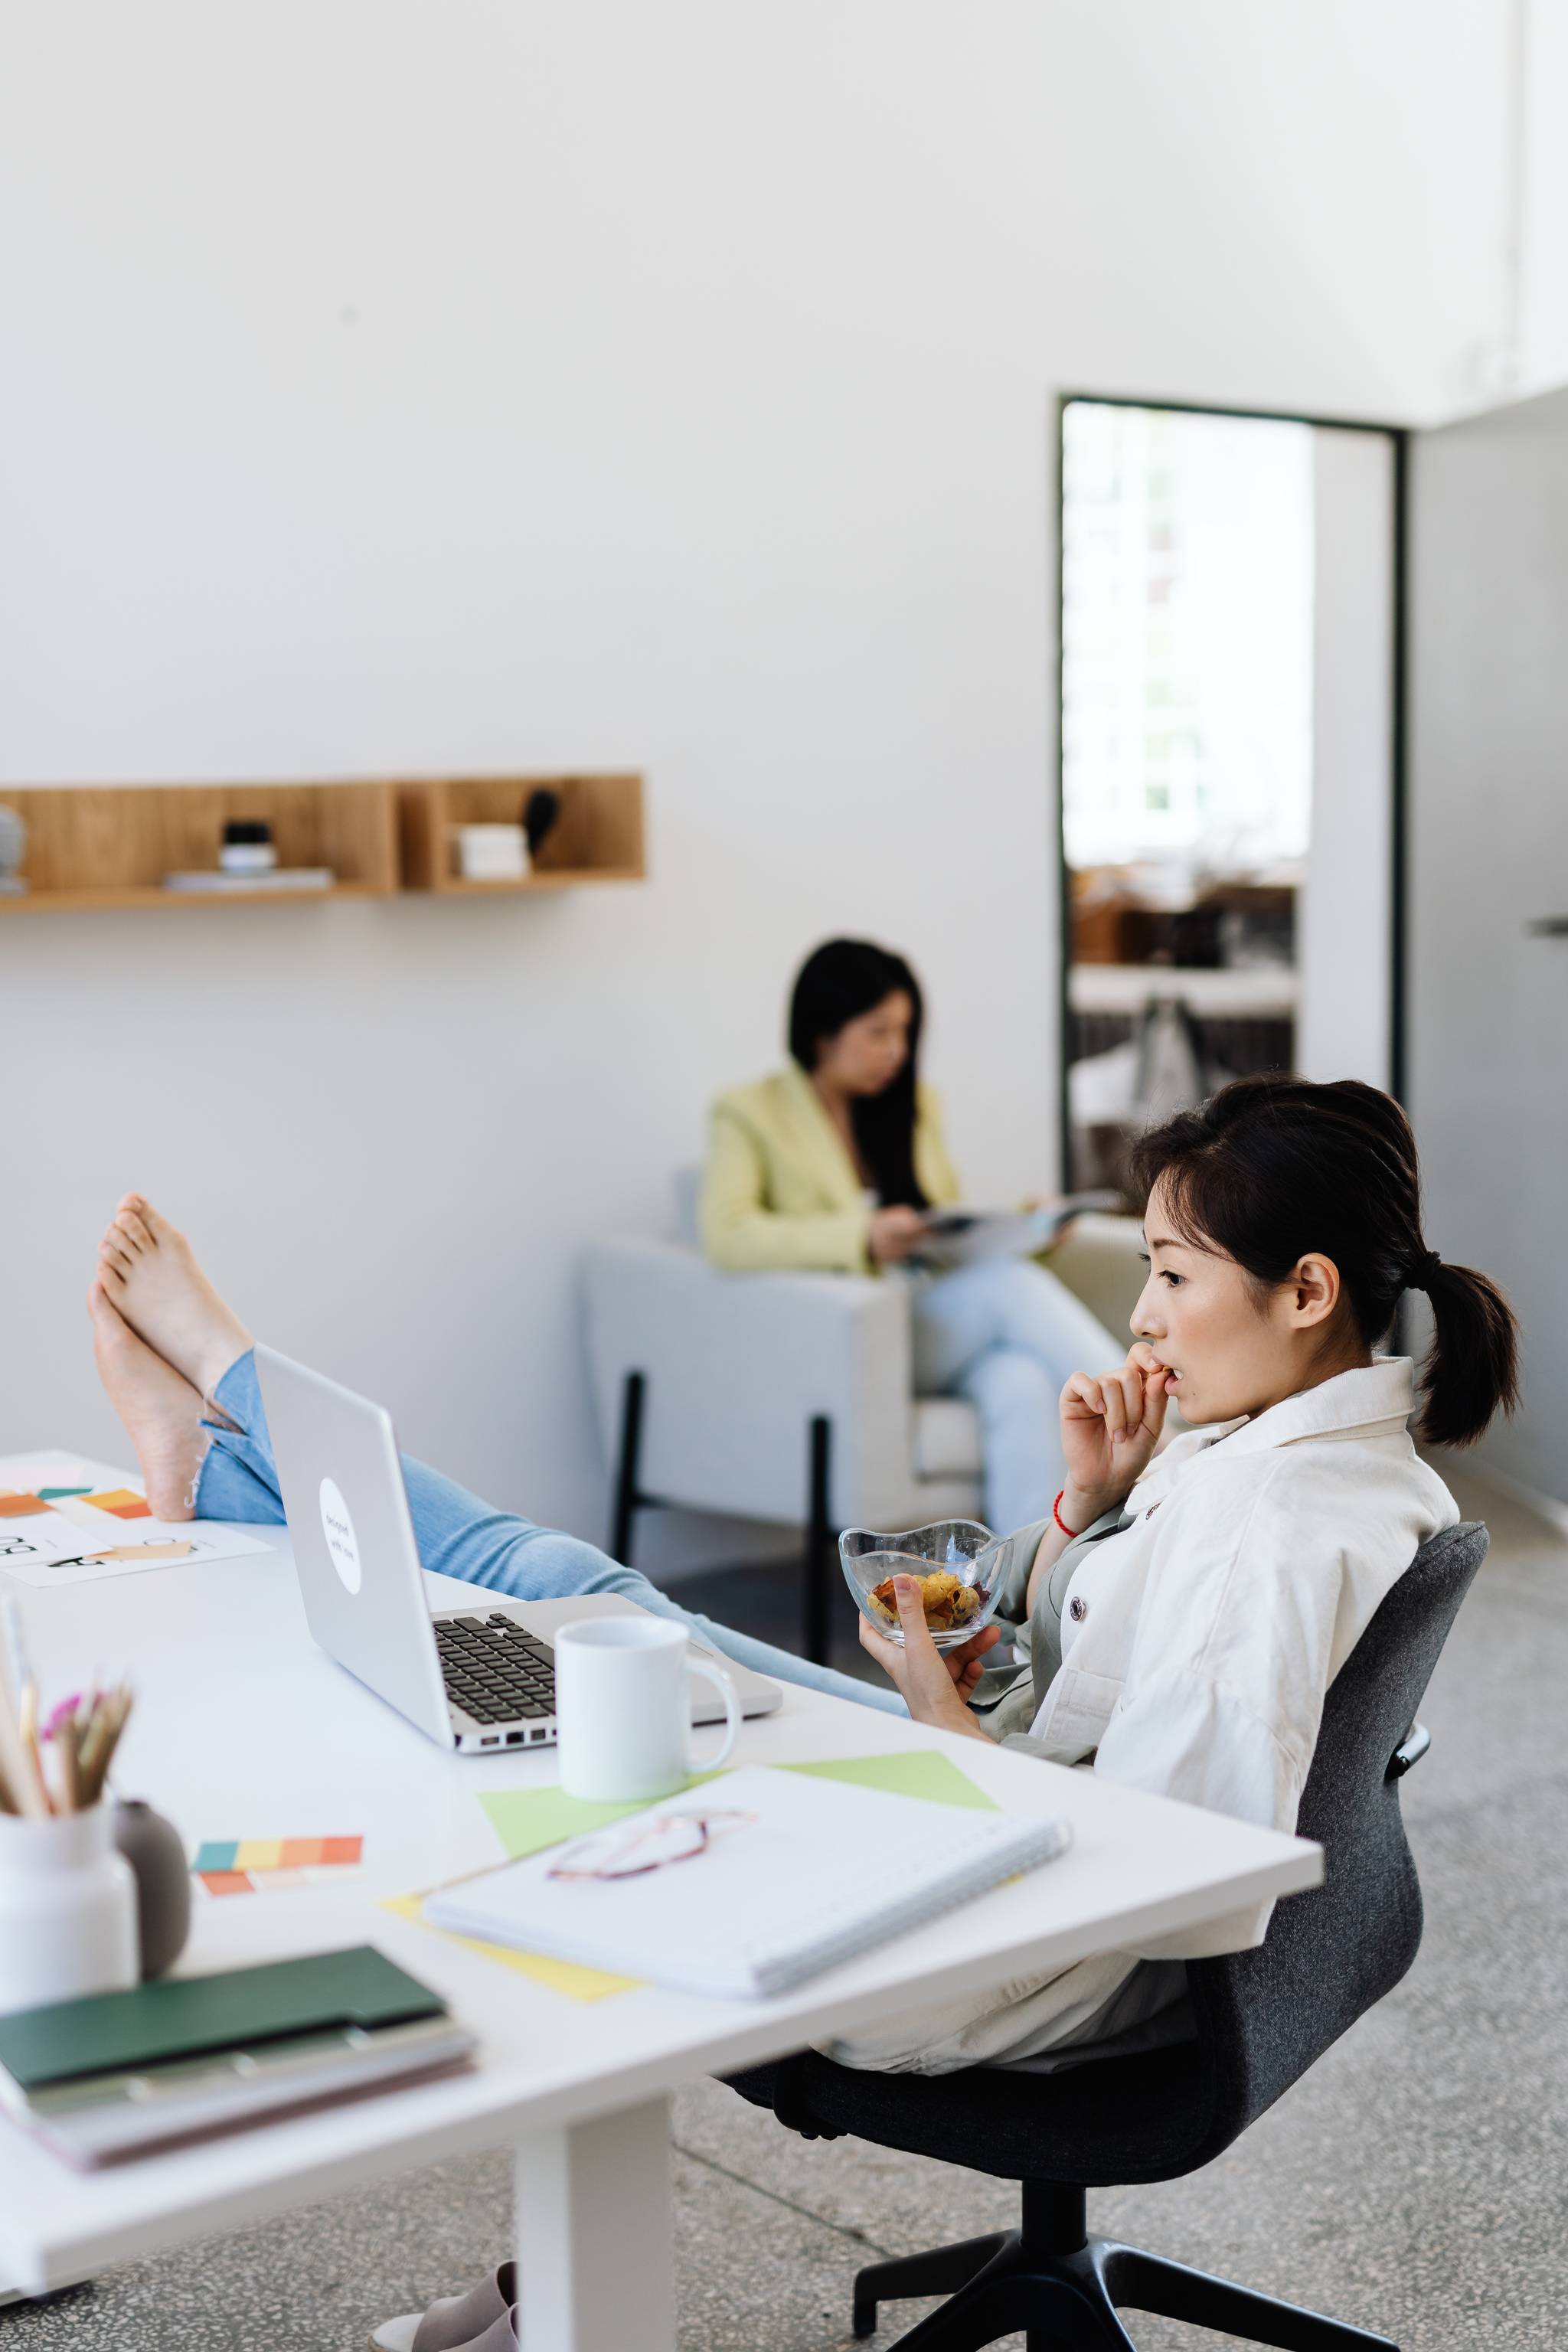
{"x": 622, "y": 1710}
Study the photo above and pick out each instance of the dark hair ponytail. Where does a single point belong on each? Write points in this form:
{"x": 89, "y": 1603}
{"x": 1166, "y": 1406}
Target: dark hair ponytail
{"x": 1272, "y": 1169}
{"x": 838, "y": 982}
{"x": 1473, "y": 1369}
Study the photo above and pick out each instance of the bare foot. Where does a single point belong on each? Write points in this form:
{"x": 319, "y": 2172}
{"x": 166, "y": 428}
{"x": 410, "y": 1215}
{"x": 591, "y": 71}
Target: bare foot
{"x": 149, "y": 1274}
{"x": 161, "y": 1413}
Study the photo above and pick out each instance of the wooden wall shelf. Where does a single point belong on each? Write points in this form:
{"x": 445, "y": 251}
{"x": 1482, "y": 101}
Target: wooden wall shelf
{"x": 110, "y": 847}
{"x": 598, "y": 837}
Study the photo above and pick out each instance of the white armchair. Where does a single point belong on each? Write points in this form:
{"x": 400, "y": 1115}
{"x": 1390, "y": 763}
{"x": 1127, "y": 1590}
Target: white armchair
{"x": 765, "y": 1395}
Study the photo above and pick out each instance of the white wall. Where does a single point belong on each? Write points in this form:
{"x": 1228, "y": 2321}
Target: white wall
{"x": 1488, "y": 858}
{"x": 389, "y": 388}
{"x": 1345, "y": 922}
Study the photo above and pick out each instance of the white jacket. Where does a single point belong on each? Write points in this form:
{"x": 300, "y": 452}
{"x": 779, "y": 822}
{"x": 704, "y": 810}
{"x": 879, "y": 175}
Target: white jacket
{"x": 1199, "y": 1643}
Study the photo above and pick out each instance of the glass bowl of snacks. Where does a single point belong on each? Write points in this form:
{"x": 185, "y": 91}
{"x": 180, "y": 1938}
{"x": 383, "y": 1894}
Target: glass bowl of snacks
{"x": 961, "y": 1568}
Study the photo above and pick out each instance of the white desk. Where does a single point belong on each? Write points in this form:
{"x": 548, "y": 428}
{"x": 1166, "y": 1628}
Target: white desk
{"x": 243, "y": 1727}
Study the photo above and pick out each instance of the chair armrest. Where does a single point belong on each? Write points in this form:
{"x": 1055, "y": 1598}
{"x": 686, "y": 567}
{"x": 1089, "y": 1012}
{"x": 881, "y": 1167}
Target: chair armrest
{"x": 1410, "y": 1750}
{"x": 738, "y": 1365}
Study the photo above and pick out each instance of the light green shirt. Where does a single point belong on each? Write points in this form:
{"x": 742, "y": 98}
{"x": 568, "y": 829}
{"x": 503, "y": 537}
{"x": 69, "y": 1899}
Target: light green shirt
{"x": 780, "y": 1191}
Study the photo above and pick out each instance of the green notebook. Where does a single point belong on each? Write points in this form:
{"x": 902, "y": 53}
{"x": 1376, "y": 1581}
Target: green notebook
{"x": 180, "y": 2018}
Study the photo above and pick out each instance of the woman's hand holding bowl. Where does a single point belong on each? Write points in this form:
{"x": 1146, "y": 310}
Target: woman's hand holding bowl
{"x": 935, "y": 1684}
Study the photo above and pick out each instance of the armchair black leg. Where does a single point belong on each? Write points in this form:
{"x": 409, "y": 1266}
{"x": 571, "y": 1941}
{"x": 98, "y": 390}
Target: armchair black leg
{"x": 624, "y": 1515}
{"x": 1149, "y": 2282}
{"x": 819, "y": 1538}
{"x": 942, "y": 2272}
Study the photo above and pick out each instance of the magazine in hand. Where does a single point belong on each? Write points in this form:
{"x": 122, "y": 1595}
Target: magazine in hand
{"x": 963, "y": 1237}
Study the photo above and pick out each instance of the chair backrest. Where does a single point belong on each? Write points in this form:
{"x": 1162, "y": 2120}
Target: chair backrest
{"x": 1265, "y": 2016}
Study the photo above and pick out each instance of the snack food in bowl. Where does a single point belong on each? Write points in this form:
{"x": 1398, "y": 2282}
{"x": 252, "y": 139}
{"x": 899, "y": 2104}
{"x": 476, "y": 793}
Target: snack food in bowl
{"x": 949, "y": 1601}
{"x": 960, "y": 1566}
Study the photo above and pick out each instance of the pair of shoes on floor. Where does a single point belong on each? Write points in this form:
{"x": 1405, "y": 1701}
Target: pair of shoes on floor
{"x": 483, "y": 2320}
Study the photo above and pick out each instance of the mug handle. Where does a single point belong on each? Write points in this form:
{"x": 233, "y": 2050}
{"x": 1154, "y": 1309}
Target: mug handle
{"x": 726, "y": 1690}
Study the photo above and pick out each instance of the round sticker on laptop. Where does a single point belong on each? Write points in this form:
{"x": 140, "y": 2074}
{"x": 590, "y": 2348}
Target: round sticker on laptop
{"x": 339, "y": 1530}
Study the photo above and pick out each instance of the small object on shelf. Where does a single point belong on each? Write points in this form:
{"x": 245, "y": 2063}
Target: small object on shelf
{"x": 490, "y": 853}
{"x": 282, "y": 878}
{"x": 248, "y": 846}
{"x": 540, "y": 815}
{"x": 597, "y": 835}
{"x": 13, "y": 849}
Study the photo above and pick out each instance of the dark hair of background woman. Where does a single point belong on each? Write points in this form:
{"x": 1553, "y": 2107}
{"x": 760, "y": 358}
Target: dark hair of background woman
{"x": 1273, "y": 1169}
{"x": 841, "y": 980}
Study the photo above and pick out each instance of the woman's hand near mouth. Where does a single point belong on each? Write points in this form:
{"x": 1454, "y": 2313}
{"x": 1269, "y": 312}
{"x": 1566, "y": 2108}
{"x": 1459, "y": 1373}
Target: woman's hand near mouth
{"x": 1111, "y": 1423}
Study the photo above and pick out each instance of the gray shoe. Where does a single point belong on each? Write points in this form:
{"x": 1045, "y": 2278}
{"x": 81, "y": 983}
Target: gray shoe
{"x": 456, "y": 2323}
{"x": 500, "y": 2336}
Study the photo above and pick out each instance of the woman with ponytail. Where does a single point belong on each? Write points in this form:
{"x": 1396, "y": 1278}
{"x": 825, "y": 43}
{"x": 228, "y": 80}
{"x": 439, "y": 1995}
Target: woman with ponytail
{"x": 1184, "y": 1607}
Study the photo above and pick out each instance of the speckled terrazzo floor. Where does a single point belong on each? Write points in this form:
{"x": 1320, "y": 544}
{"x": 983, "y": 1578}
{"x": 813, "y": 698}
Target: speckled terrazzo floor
{"x": 1417, "y": 2182}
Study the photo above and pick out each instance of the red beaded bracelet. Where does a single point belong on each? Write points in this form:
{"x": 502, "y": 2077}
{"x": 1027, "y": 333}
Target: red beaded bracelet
{"x": 1072, "y": 1533}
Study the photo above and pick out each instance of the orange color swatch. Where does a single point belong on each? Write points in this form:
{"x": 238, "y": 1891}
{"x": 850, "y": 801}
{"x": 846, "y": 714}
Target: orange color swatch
{"x": 123, "y": 1503}
{"x": 21, "y": 1507}
{"x": 227, "y": 1882}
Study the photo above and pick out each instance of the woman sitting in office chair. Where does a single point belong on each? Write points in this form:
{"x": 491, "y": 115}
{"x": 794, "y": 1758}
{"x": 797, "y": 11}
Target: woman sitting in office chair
{"x": 833, "y": 1162}
{"x": 1181, "y": 1620}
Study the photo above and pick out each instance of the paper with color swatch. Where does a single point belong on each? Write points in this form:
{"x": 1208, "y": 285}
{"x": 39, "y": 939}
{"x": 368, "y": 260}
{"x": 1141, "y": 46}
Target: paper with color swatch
{"x": 268, "y": 1865}
{"x": 64, "y": 1521}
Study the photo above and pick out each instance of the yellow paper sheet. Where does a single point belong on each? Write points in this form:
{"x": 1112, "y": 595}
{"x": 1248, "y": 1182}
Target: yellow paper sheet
{"x": 561, "y": 1976}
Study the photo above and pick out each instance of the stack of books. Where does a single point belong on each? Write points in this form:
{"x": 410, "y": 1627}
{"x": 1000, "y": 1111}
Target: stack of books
{"x": 121, "y": 2073}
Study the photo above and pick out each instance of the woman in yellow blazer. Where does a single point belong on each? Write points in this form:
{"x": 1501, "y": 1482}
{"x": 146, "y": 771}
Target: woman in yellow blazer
{"x": 832, "y": 1163}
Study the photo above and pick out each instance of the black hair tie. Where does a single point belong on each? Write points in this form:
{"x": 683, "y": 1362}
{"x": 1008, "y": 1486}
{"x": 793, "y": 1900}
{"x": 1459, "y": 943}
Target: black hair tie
{"x": 1423, "y": 1272}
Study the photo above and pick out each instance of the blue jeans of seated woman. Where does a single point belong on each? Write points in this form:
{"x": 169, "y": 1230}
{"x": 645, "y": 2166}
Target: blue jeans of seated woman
{"x": 457, "y": 1535}
{"x": 1008, "y": 1334}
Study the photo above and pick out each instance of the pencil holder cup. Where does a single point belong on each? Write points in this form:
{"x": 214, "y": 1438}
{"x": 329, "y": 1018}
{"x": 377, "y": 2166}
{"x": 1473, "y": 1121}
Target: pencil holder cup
{"x": 68, "y": 1909}
{"x": 156, "y": 1853}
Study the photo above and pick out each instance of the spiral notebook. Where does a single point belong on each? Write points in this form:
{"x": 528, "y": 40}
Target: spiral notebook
{"x": 748, "y": 1885}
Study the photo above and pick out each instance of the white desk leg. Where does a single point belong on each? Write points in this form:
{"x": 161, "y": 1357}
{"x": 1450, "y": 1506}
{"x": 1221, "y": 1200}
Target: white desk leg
{"x": 595, "y": 2268}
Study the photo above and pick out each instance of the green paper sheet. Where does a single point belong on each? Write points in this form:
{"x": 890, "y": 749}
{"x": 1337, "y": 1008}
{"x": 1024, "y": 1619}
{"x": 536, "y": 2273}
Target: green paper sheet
{"x": 526, "y": 1821}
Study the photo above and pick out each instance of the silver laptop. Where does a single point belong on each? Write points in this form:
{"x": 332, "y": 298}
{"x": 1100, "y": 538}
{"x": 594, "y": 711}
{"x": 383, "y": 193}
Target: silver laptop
{"x": 475, "y": 1679}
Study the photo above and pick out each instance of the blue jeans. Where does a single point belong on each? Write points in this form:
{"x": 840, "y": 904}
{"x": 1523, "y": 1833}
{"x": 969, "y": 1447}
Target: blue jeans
{"x": 457, "y": 1535}
{"x": 1006, "y": 1334}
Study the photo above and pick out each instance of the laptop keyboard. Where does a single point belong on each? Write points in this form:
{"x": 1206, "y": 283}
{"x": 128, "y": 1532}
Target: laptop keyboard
{"x": 494, "y": 1670}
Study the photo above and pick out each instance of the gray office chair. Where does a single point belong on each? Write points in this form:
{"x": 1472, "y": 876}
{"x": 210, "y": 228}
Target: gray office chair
{"x": 1262, "y": 2017}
